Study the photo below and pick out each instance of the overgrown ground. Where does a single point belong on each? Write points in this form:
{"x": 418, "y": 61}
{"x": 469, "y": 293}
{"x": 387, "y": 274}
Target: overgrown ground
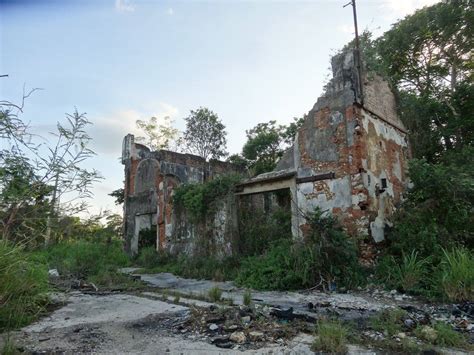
{"x": 92, "y": 268}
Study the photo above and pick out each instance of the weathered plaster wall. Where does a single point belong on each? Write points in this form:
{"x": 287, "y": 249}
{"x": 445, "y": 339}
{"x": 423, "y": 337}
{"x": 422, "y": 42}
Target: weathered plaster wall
{"x": 360, "y": 144}
{"x": 150, "y": 179}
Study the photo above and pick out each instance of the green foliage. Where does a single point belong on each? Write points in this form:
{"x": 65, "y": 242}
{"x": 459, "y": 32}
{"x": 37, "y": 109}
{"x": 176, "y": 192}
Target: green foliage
{"x": 205, "y": 134}
{"x": 119, "y": 195}
{"x": 456, "y": 275}
{"x": 389, "y": 321}
{"x": 407, "y": 276}
{"x": 327, "y": 257}
{"x": 84, "y": 259}
{"x": 258, "y": 229}
{"x": 201, "y": 199}
{"x": 23, "y": 287}
{"x": 215, "y": 294}
{"x": 263, "y": 147}
{"x": 447, "y": 336}
{"x": 331, "y": 337}
{"x": 439, "y": 210}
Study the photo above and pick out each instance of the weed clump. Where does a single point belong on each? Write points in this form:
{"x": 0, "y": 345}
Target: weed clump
{"x": 331, "y": 336}
{"x": 388, "y": 321}
{"x": 215, "y": 294}
{"x": 247, "y": 298}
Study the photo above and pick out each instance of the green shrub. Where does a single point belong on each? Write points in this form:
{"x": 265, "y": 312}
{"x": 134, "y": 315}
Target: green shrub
{"x": 327, "y": 257}
{"x": 258, "y": 229}
{"x": 215, "y": 294}
{"x": 456, "y": 275}
{"x": 149, "y": 258}
{"x": 23, "y": 287}
{"x": 439, "y": 211}
{"x": 331, "y": 337}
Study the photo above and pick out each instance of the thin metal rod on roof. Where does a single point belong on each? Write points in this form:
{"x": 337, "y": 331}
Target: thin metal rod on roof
{"x": 357, "y": 49}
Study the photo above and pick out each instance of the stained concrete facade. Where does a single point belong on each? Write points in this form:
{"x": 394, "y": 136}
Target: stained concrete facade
{"x": 349, "y": 158}
{"x": 150, "y": 179}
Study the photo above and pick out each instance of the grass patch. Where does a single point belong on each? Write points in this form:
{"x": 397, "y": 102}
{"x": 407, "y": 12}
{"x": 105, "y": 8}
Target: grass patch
{"x": 83, "y": 259}
{"x": 331, "y": 336}
{"x": 215, "y": 294}
{"x": 388, "y": 321}
{"x": 23, "y": 287}
{"x": 442, "y": 334}
{"x": 113, "y": 280}
{"x": 247, "y": 298}
{"x": 456, "y": 275}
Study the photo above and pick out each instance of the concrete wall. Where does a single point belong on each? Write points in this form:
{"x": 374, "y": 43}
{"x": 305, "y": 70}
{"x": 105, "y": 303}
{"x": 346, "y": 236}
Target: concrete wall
{"x": 150, "y": 179}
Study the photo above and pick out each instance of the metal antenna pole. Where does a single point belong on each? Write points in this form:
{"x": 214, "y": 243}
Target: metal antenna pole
{"x": 357, "y": 48}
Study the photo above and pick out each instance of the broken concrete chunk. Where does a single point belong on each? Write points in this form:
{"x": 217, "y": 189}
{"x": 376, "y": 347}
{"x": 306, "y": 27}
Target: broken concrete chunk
{"x": 238, "y": 337}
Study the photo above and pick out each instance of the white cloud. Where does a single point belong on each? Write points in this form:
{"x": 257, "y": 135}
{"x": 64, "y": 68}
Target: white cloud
{"x": 405, "y": 7}
{"x": 124, "y": 6}
{"x": 170, "y": 11}
{"x": 109, "y": 130}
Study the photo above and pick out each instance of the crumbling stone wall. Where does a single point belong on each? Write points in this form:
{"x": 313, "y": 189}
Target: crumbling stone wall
{"x": 150, "y": 179}
{"x": 350, "y": 156}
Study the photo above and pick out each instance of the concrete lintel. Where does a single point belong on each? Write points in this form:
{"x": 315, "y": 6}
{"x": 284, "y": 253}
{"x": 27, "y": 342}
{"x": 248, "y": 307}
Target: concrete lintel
{"x": 266, "y": 186}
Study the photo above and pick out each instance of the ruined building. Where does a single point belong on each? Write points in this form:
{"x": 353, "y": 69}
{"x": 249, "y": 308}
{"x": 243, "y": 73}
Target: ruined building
{"x": 349, "y": 158}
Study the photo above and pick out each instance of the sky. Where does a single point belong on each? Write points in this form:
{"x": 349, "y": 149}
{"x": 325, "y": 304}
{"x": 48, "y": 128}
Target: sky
{"x": 121, "y": 60}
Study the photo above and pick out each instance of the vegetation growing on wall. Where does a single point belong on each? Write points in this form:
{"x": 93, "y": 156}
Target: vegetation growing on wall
{"x": 200, "y": 199}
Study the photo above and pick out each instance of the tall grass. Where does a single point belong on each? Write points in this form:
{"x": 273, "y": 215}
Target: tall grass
{"x": 456, "y": 275}
{"x": 23, "y": 287}
{"x": 83, "y": 259}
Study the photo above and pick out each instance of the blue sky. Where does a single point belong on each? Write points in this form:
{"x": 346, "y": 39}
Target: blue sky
{"x": 119, "y": 61}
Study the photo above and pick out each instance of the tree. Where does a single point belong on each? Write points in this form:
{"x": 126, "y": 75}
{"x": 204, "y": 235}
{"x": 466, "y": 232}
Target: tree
{"x": 205, "y": 134}
{"x": 119, "y": 195}
{"x": 158, "y": 135}
{"x": 266, "y": 143}
{"x": 40, "y": 181}
{"x": 263, "y": 146}
{"x": 433, "y": 75}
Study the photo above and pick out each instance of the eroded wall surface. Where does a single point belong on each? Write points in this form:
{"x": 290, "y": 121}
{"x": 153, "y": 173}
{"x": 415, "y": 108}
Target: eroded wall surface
{"x": 150, "y": 179}
{"x": 360, "y": 143}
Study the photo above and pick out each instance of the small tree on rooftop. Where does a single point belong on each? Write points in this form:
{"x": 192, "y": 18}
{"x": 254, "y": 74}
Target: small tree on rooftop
{"x": 205, "y": 134}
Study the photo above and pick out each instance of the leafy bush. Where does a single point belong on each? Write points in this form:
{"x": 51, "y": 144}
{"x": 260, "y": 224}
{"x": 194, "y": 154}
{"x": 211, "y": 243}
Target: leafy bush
{"x": 456, "y": 275}
{"x": 331, "y": 337}
{"x": 149, "y": 258}
{"x": 327, "y": 257}
{"x": 439, "y": 211}
{"x": 258, "y": 229}
{"x": 200, "y": 199}
{"x": 23, "y": 287}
